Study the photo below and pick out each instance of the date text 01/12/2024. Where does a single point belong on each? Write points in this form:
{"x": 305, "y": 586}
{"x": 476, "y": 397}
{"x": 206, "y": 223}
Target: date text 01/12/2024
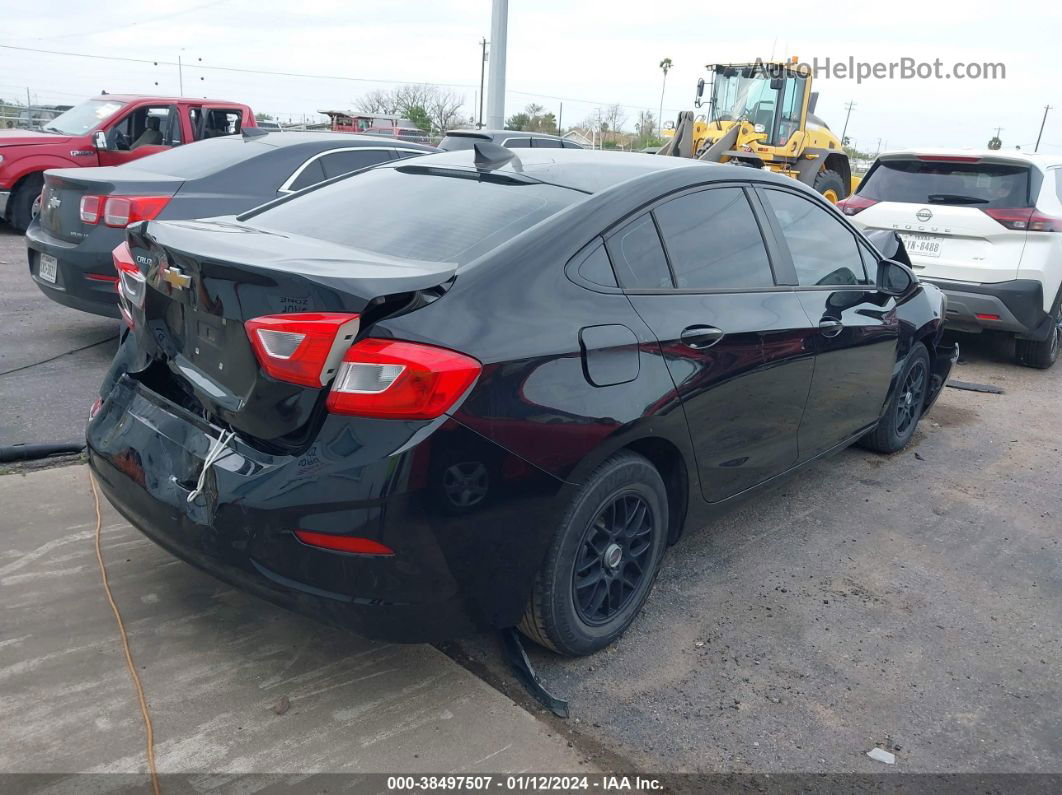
{"x": 524, "y": 783}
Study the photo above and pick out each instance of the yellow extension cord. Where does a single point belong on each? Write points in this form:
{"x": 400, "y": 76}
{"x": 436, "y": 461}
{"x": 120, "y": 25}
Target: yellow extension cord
{"x": 125, "y": 645}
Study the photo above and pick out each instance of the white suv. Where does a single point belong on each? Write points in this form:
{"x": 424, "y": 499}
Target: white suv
{"x": 986, "y": 228}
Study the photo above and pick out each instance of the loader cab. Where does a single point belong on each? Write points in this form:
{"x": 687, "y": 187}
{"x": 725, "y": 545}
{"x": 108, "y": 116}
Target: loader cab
{"x": 770, "y": 97}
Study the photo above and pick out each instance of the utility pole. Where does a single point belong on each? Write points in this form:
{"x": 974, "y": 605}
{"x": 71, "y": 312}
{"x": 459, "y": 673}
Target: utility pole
{"x": 849, "y": 106}
{"x": 28, "y": 103}
{"x": 499, "y": 22}
{"x": 180, "y": 74}
{"x": 560, "y": 118}
{"x": 482, "y": 77}
{"x": 1041, "y": 133}
{"x": 665, "y": 66}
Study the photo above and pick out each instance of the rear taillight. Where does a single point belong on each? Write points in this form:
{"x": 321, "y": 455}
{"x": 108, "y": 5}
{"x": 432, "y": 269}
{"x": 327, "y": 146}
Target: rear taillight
{"x": 304, "y": 347}
{"x": 355, "y": 545}
{"x": 389, "y": 379}
{"x": 1024, "y": 219}
{"x": 120, "y": 211}
{"x": 855, "y": 204}
{"x": 90, "y": 209}
{"x": 132, "y": 284}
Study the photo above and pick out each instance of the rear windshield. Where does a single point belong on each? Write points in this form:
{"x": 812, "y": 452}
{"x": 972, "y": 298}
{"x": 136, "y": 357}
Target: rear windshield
{"x": 202, "y": 158}
{"x": 455, "y": 143}
{"x": 943, "y": 182}
{"x": 415, "y": 213}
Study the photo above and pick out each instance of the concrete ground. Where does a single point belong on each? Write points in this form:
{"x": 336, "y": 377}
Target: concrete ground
{"x": 51, "y": 357}
{"x": 215, "y": 663}
{"x": 911, "y": 601}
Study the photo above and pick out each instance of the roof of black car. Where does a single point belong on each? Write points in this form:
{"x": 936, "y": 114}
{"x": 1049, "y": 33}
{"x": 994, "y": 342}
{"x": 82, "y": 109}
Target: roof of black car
{"x": 581, "y": 169}
{"x": 279, "y": 138}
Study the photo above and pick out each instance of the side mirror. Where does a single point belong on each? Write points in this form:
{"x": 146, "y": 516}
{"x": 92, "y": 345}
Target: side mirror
{"x": 894, "y": 278}
{"x": 700, "y": 92}
{"x": 100, "y": 140}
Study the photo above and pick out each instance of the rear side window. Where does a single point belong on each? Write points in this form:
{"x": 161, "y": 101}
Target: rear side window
{"x": 639, "y": 257}
{"x": 517, "y": 143}
{"x": 545, "y": 143}
{"x": 311, "y": 174}
{"x": 337, "y": 163}
{"x": 417, "y": 213}
{"x": 597, "y": 268}
{"x": 713, "y": 241}
{"x": 981, "y": 185}
{"x": 824, "y": 251}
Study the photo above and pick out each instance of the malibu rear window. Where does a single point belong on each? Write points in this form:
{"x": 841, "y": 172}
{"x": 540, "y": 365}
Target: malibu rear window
{"x": 417, "y": 213}
{"x": 981, "y": 185}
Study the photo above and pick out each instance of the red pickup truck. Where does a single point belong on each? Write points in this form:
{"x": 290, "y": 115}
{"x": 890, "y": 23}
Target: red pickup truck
{"x": 105, "y": 131}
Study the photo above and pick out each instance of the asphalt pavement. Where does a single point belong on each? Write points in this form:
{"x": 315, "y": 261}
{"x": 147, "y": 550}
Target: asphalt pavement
{"x": 52, "y": 358}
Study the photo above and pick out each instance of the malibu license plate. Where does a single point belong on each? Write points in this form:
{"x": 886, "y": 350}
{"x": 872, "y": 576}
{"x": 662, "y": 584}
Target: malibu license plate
{"x": 47, "y": 268}
{"x": 922, "y": 245}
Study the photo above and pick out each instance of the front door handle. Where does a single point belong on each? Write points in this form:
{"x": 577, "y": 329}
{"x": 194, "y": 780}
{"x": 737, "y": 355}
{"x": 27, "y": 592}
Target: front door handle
{"x": 701, "y": 337}
{"x": 830, "y": 328}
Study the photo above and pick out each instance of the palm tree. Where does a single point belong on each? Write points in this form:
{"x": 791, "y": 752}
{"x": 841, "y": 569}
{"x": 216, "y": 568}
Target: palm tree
{"x": 665, "y": 65}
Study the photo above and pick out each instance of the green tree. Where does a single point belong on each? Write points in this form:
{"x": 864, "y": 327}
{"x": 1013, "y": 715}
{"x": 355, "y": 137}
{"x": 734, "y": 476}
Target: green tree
{"x": 263, "y": 117}
{"x": 419, "y": 116}
{"x": 518, "y": 121}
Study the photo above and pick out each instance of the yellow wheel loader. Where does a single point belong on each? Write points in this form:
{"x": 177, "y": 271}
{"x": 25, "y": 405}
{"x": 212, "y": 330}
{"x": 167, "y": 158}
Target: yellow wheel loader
{"x": 763, "y": 115}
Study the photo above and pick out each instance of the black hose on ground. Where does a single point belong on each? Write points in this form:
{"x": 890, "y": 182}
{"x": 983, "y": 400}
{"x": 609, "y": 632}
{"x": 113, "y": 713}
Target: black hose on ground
{"x": 32, "y": 452}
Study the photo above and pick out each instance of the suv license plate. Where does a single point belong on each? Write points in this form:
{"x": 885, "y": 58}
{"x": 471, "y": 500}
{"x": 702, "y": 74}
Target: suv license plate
{"x": 921, "y": 245}
{"x": 48, "y": 267}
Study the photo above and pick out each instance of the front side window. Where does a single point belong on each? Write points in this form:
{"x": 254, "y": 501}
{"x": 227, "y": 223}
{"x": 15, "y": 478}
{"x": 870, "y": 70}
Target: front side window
{"x": 713, "y": 241}
{"x": 638, "y": 256}
{"x": 144, "y": 126}
{"x": 824, "y": 251}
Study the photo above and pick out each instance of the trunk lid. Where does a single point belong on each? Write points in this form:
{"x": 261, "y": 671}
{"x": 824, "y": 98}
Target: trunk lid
{"x": 63, "y": 188}
{"x": 205, "y": 279}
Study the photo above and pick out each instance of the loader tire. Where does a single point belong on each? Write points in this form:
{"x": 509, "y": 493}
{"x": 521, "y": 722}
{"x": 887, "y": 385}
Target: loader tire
{"x": 831, "y": 186}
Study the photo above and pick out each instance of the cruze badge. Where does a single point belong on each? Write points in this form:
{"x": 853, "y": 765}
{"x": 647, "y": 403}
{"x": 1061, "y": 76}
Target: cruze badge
{"x": 54, "y": 202}
{"x": 175, "y": 278}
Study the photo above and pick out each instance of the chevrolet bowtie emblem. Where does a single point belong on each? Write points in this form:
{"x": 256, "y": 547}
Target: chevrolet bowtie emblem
{"x": 174, "y": 277}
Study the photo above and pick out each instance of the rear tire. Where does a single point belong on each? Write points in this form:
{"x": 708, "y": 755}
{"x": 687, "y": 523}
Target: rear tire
{"x": 831, "y": 186}
{"x": 904, "y": 409}
{"x": 603, "y": 560}
{"x": 25, "y": 198}
{"x": 1042, "y": 354}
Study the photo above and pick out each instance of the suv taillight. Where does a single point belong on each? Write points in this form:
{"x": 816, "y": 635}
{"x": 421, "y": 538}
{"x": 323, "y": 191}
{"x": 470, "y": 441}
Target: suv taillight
{"x": 392, "y": 379}
{"x": 1024, "y": 219}
{"x": 855, "y": 204}
{"x": 302, "y": 347}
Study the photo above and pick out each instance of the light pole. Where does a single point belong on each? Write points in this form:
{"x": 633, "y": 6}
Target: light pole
{"x": 665, "y": 65}
{"x": 1041, "y": 133}
{"x": 482, "y": 75}
{"x": 499, "y": 20}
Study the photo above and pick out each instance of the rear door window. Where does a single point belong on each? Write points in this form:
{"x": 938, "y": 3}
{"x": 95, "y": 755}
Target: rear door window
{"x": 517, "y": 143}
{"x": 639, "y": 257}
{"x": 713, "y": 241}
{"x": 823, "y": 249}
{"x": 545, "y": 143}
{"x": 981, "y": 185}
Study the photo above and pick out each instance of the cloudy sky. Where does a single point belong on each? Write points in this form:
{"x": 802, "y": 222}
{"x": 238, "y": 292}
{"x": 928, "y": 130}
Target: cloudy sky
{"x": 583, "y": 54}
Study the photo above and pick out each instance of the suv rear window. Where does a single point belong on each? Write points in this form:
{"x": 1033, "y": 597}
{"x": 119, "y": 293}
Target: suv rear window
{"x": 415, "y": 213}
{"x": 455, "y": 143}
{"x": 201, "y": 158}
{"x": 948, "y": 182}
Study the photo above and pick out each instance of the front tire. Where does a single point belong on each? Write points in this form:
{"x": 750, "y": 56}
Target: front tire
{"x": 603, "y": 560}
{"x": 1042, "y": 354}
{"x": 904, "y": 409}
{"x": 25, "y": 203}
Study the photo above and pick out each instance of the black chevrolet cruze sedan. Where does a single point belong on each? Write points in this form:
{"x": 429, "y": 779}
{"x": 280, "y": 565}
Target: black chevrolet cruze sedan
{"x": 84, "y": 211}
{"x": 477, "y": 389}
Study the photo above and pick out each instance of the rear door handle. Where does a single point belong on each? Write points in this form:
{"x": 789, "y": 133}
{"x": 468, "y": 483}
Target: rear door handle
{"x": 830, "y": 328}
{"x": 701, "y": 337}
